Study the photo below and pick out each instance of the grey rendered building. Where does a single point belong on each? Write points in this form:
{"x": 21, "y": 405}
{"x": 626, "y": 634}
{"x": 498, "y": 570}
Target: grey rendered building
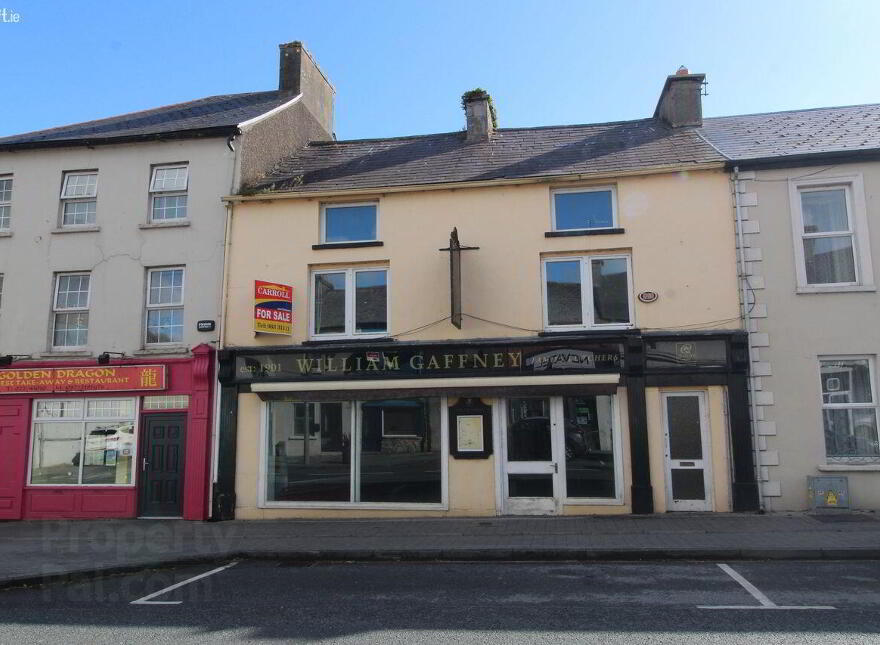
{"x": 807, "y": 192}
{"x": 112, "y": 242}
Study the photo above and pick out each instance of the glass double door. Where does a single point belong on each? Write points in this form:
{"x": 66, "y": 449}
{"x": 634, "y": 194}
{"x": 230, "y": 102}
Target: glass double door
{"x": 532, "y": 456}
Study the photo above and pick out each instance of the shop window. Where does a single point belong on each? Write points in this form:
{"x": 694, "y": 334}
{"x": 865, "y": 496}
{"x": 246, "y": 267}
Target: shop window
{"x": 590, "y": 459}
{"x": 343, "y": 452}
{"x": 587, "y": 292}
{"x": 350, "y": 303}
{"x": 831, "y": 237}
{"x": 168, "y": 187}
{"x": 584, "y": 209}
{"x": 849, "y": 409}
{"x": 79, "y": 199}
{"x": 70, "y": 325}
{"x": 78, "y": 442}
{"x": 5, "y": 202}
{"x": 164, "y": 306}
{"x": 346, "y": 223}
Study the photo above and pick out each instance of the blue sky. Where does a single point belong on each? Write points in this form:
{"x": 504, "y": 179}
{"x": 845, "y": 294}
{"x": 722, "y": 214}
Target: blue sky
{"x": 399, "y": 67}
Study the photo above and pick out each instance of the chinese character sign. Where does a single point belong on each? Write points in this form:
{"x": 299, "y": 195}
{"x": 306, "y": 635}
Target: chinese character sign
{"x": 273, "y": 308}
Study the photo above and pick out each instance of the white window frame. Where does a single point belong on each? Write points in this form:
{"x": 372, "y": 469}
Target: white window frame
{"x": 350, "y": 275}
{"x": 323, "y": 223}
{"x": 584, "y": 189}
{"x": 162, "y": 192}
{"x": 873, "y": 405}
{"x": 82, "y": 420}
{"x": 7, "y": 203}
{"x": 587, "y": 314}
{"x": 354, "y": 471}
{"x": 65, "y": 199}
{"x": 858, "y": 228}
{"x": 148, "y": 307}
{"x": 69, "y": 310}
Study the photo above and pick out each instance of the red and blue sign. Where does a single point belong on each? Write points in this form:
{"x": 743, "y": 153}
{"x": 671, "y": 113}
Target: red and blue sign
{"x": 273, "y": 308}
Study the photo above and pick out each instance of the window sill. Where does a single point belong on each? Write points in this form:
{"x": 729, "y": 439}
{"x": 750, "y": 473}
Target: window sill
{"x": 346, "y": 245}
{"x": 581, "y": 330}
{"x": 154, "y": 351}
{"x": 849, "y": 468}
{"x": 89, "y": 486}
{"x": 75, "y": 353}
{"x": 347, "y": 341}
{"x": 356, "y": 506}
{"x": 76, "y": 229}
{"x": 177, "y": 224}
{"x": 5, "y": 233}
{"x": 599, "y": 501}
{"x": 832, "y": 289}
{"x": 585, "y": 231}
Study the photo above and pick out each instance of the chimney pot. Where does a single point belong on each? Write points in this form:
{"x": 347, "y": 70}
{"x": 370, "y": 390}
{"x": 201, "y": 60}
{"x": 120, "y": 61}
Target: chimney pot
{"x": 682, "y": 71}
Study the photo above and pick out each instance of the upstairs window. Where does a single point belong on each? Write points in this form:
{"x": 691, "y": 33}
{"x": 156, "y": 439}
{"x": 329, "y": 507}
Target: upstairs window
{"x": 341, "y": 223}
{"x": 830, "y": 229}
{"x": 79, "y": 199}
{"x": 587, "y": 292}
{"x": 350, "y": 303}
{"x": 70, "y": 328}
{"x": 164, "y": 306}
{"x": 583, "y": 209}
{"x": 5, "y": 203}
{"x": 168, "y": 187}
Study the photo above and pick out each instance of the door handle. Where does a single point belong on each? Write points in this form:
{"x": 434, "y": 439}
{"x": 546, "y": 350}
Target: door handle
{"x": 555, "y": 467}
{"x": 144, "y": 465}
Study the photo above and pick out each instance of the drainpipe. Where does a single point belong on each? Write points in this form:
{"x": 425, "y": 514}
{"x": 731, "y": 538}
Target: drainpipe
{"x": 221, "y": 326}
{"x": 747, "y": 320}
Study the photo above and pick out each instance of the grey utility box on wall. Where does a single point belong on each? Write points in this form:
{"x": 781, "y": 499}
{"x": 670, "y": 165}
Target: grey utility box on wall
{"x": 828, "y": 492}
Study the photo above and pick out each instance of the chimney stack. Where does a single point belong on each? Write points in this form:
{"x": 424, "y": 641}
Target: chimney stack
{"x": 298, "y": 73}
{"x": 480, "y": 115}
{"x": 681, "y": 100}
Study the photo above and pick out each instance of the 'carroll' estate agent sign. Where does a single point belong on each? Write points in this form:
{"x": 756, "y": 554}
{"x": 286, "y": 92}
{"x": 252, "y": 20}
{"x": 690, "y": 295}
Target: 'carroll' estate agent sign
{"x": 82, "y": 379}
{"x": 273, "y": 307}
{"x": 419, "y": 361}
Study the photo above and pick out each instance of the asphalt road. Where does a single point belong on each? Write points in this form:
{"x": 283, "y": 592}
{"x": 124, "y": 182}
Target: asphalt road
{"x": 391, "y": 603}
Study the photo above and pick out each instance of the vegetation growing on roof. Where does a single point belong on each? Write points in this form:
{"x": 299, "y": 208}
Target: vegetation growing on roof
{"x": 478, "y": 93}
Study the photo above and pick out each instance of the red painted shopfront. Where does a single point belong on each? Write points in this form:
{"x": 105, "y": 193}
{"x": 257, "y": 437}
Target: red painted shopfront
{"x": 128, "y": 439}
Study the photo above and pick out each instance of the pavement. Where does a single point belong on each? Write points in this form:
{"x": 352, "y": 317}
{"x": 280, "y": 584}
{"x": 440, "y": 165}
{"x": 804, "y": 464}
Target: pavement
{"x": 36, "y": 552}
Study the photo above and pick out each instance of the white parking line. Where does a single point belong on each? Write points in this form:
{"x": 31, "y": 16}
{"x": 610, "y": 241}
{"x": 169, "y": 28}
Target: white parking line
{"x": 766, "y": 603}
{"x": 146, "y": 600}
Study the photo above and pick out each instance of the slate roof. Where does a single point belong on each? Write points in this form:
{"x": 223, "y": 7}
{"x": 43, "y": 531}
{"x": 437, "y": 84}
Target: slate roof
{"x": 212, "y": 115}
{"x": 511, "y": 153}
{"x": 797, "y": 132}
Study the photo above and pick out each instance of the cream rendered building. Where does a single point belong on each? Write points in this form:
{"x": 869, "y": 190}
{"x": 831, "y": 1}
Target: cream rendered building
{"x": 807, "y": 186}
{"x": 580, "y": 352}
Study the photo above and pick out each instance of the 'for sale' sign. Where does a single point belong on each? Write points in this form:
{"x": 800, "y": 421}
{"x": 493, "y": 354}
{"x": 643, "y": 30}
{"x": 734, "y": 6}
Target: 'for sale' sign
{"x": 273, "y": 307}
